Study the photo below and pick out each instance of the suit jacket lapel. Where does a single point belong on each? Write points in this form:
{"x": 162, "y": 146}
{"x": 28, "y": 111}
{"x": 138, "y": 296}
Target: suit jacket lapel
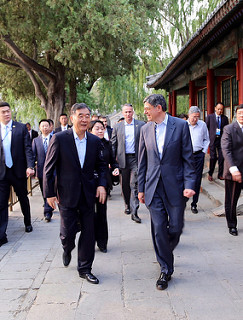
{"x": 73, "y": 146}
{"x": 153, "y": 137}
{"x": 238, "y": 130}
{"x": 169, "y": 132}
{"x": 14, "y": 128}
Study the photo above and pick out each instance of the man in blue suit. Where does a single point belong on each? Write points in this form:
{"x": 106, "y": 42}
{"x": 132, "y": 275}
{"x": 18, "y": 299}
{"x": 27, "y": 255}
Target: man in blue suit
{"x": 39, "y": 147}
{"x": 166, "y": 179}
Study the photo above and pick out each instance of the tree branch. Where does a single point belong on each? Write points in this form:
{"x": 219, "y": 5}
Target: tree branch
{"x": 11, "y": 64}
{"x": 38, "y": 91}
{"x": 32, "y": 64}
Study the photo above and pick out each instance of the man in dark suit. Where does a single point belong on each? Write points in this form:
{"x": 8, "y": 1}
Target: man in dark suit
{"x": 108, "y": 129}
{"x": 16, "y": 162}
{"x": 166, "y": 179}
{"x": 125, "y": 141}
{"x": 64, "y": 123}
{"x": 39, "y": 147}
{"x": 216, "y": 123}
{"x": 232, "y": 148}
{"x": 33, "y": 134}
{"x": 77, "y": 157}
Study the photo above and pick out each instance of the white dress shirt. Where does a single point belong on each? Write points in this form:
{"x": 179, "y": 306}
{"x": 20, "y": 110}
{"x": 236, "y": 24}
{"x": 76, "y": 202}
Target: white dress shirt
{"x": 129, "y": 137}
{"x": 81, "y": 147}
{"x": 199, "y": 136}
{"x": 3, "y": 131}
{"x": 64, "y": 127}
{"x": 160, "y": 131}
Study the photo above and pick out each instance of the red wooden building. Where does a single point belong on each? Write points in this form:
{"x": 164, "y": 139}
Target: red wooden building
{"x": 209, "y": 68}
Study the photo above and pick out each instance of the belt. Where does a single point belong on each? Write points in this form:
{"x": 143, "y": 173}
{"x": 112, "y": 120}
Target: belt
{"x": 197, "y": 152}
{"x": 130, "y": 154}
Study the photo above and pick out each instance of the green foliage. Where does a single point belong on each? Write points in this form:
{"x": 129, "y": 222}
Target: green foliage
{"x": 177, "y": 21}
{"x": 24, "y": 110}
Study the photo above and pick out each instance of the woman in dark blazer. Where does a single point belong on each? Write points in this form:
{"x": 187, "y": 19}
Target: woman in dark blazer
{"x": 101, "y": 228}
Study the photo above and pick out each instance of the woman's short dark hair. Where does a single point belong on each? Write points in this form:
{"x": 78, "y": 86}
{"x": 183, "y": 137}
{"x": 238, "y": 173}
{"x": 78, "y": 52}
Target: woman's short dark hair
{"x": 93, "y": 123}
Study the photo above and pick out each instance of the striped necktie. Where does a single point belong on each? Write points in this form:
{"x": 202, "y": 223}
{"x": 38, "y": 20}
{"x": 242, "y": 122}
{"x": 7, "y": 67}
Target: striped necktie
{"x": 45, "y": 144}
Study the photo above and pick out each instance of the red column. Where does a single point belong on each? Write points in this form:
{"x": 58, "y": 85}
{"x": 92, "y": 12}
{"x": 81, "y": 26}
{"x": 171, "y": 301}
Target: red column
{"x": 192, "y": 100}
{"x": 240, "y": 75}
{"x": 170, "y": 103}
{"x": 173, "y": 103}
{"x": 210, "y": 91}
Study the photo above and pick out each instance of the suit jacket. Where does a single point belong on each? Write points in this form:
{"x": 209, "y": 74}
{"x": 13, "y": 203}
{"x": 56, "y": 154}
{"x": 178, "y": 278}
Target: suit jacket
{"x": 109, "y": 130}
{"x": 34, "y": 134}
{"x": 71, "y": 178}
{"x": 211, "y": 123}
{"x": 118, "y": 141}
{"x": 59, "y": 129}
{"x": 39, "y": 155}
{"x": 176, "y": 167}
{"x": 232, "y": 148}
{"x": 21, "y": 151}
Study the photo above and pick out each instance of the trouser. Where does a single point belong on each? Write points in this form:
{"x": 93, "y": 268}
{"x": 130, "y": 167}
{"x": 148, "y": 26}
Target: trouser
{"x": 101, "y": 226}
{"x": 20, "y": 188}
{"x": 216, "y": 154}
{"x": 72, "y": 220}
{"x": 232, "y": 194}
{"x": 47, "y": 208}
{"x": 198, "y": 164}
{"x": 129, "y": 183}
{"x": 165, "y": 230}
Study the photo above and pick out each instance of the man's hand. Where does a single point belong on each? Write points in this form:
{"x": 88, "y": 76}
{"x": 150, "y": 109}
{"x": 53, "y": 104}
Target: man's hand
{"x": 101, "y": 194}
{"x": 236, "y": 176}
{"x": 52, "y": 202}
{"x": 30, "y": 172}
{"x": 188, "y": 193}
{"x": 141, "y": 197}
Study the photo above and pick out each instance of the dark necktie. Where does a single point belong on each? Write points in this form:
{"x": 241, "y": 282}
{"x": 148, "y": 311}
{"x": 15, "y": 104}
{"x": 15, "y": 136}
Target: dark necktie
{"x": 45, "y": 144}
{"x": 218, "y": 121}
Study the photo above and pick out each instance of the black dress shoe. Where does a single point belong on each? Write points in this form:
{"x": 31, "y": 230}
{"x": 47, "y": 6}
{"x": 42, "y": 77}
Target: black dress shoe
{"x": 3, "y": 241}
{"x": 233, "y": 231}
{"x": 102, "y": 249}
{"x": 66, "y": 258}
{"x": 29, "y": 228}
{"x": 162, "y": 282}
{"x": 136, "y": 218}
{"x": 127, "y": 211}
{"x": 89, "y": 277}
{"x": 47, "y": 217}
{"x": 194, "y": 209}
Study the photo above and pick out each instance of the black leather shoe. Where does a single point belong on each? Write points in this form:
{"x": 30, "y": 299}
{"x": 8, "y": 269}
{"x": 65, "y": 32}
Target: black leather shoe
{"x": 136, "y": 218}
{"x": 162, "y": 282}
{"x": 66, "y": 258}
{"x": 233, "y": 231}
{"x": 194, "y": 209}
{"x": 47, "y": 217}
{"x": 127, "y": 211}
{"x": 3, "y": 241}
{"x": 89, "y": 277}
{"x": 28, "y": 229}
{"x": 102, "y": 249}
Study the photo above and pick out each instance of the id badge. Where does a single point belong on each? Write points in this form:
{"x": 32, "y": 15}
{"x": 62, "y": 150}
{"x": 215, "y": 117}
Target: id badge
{"x": 217, "y": 132}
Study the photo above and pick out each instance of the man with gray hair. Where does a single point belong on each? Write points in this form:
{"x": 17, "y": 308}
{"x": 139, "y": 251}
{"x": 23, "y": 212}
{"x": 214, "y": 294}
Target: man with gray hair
{"x": 200, "y": 143}
{"x": 76, "y": 155}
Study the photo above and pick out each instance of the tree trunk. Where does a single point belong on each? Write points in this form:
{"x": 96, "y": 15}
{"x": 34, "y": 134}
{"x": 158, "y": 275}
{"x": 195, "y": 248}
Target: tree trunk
{"x": 72, "y": 92}
{"x": 56, "y": 97}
